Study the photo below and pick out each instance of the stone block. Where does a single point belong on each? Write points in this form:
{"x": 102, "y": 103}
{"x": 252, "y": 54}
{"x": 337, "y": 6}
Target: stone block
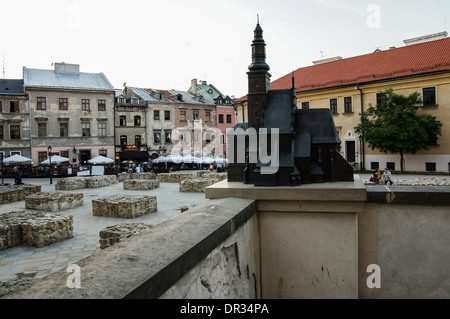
{"x": 15, "y": 193}
{"x": 196, "y": 185}
{"x": 53, "y": 201}
{"x": 33, "y": 229}
{"x": 70, "y": 183}
{"x": 124, "y": 206}
{"x": 113, "y": 234}
{"x": 140, "y": 184}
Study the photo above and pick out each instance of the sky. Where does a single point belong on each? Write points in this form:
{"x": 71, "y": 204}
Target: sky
{"x": 165, "y": 44}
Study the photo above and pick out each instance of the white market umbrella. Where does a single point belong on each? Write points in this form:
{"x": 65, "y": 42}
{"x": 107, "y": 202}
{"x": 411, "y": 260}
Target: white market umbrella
{"x": 55, "y": 159}
{"x": 16, "y": 159}
{"x": 101, "y": 160}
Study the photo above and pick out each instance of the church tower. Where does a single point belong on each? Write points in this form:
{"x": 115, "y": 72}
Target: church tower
{"x": 258, "y": 80}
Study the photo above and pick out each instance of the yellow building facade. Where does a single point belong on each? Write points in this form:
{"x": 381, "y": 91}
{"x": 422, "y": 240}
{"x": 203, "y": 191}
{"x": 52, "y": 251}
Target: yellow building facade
{"x": 359, "y": 90}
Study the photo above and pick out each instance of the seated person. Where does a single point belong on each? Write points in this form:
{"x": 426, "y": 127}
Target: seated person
{"x": 376, "y": 177}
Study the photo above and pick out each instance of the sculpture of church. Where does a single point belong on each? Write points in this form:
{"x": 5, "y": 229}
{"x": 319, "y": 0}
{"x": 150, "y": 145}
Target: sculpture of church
{"x": 304, "y": 141}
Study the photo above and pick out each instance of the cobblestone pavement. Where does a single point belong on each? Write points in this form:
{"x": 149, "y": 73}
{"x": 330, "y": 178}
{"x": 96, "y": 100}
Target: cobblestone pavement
{"x": 39, "y": 262}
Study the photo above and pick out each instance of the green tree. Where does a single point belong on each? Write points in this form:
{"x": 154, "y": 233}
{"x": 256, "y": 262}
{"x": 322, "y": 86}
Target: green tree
{"x": 394, "y": 127}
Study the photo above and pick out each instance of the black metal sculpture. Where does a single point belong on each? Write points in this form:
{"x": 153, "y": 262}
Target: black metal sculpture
{"x": 303, "y": 143}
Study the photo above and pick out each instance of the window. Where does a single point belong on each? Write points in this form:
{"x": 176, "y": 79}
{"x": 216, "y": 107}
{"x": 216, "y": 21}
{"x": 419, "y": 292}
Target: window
{"x": 305, "y": 105}
{"x": 196, "y": 115}
{"x": 390, "y": 166}
{"x": 103, "y": 152}
{"x": 1, "y": 106}
{"x": 64, "y": 154}
{"x": 432, "y": 141}
{"x": 137, "y": 140}
{"x": 85, "y": 105}
{"x": 102, "y": 105}
{"x": 121, "y": 100}
{"x": 208, "y": 138}
{"x": 333, "y": 106}
{"x": 157, "y": 138}
{"x": 137, "y": 120}
{"x": 14, "y": 131}
{"x": 228, "y": 118}
{"x": 156, "y": 115}
{"x": 42, "y": 156}
{"x": 430, "y": 167}
{"x": 42, "y": 129}
{"x": 348, "y": 107}
{"x": 14, "y": 107}
{"x": 85, "y": 129}
{"x": 101, "y": 129}
{"x": 167, "y": 115}
{"x": 374, "y": 165}
{"x": 429, "y": 96}
{"x": 2, "y": 134}
{"x": 220, "y": 118}
{"x": 380, "y": 98}
{"x": 41, "y": 103}
{"x": 168, "y": 137}
{"x": 207, "y": 116}
{"x": 63, "y": 129}
{"x": 123, "y": 140}
{"x": 63, "y": 104}
{"x": 123, "y": 120}
{"x": 183, "y": 116}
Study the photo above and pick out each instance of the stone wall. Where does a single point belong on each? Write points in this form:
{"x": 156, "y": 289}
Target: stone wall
{"x": 33, "y": 229}
{"x": 79, "y": 182}
{"x": 196, "y": 185}
{"x": 124, "y": 206}
{"x": 176, "y": 177}
{"x": 140, "y": 184}
{"x": 144, "y": 175}
{"x": 53, "y": 201}
{"x": 15, "y": 193}
{"x": 113, "y": 234}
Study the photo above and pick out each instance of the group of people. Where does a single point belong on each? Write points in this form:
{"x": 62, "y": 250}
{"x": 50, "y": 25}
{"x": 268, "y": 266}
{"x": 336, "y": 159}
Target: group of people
{"x": 386, "y": 177}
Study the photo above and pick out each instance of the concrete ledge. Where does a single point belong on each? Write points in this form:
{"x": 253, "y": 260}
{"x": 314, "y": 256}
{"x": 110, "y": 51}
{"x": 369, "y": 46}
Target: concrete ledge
{"x": 409, "y": 195}
{"x": 148, "y": 264}
{"x": 339, "y": 191}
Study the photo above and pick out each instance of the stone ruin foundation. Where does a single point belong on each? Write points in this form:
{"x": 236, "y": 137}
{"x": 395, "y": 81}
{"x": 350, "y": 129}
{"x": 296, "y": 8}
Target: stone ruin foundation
{"x": 53, "y": 201}
{"x": 144, "y": 175}
{"x": 35, "y": 229}
{"x": 140, "y": 184}
{"x": 124, "y": 206}
{"x": 16, "y": 193}
{"x": 196, "y": 185}
{"x": 79, "y": 182}
{"x": 113, "y": 234}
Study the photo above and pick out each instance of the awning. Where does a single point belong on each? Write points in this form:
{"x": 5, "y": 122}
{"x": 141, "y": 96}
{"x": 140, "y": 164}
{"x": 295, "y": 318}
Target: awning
{"x": 133, "y": 155}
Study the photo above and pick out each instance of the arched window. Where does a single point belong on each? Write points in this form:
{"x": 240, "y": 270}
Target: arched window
{"x": 123, "y": 140}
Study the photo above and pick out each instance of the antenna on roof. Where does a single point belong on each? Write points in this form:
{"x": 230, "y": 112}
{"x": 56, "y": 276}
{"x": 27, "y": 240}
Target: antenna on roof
{"x": 4, "y": 67}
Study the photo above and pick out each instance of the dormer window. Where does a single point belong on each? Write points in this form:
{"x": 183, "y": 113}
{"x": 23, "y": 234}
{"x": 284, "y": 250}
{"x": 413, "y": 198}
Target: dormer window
{"x": 179, "y": 97}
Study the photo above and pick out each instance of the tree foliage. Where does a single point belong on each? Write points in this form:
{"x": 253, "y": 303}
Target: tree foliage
{"x": 394, "y": 127}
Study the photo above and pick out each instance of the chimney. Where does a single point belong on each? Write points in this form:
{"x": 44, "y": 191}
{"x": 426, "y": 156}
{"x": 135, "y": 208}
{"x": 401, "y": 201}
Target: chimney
{"x": 336, "y": 58}
{"x": 426, "y": 38}
{"x": 204, "y": 82}
{"x": 193, "y": 82}
{"x": 67, "y": 68}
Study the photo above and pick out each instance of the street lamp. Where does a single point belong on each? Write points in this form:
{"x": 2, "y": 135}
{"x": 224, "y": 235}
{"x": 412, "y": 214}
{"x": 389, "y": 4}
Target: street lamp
{"x": 50, "y": 163}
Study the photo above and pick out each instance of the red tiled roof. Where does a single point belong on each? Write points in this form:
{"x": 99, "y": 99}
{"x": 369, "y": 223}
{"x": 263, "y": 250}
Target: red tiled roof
{"x": 428, "y": 57}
